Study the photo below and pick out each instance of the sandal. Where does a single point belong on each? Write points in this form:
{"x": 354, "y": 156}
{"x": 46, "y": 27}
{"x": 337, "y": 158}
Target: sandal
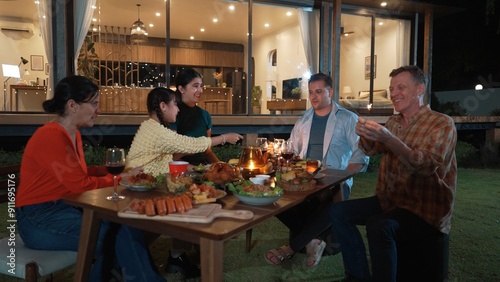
{"x": 278, "y": 256}
{"x": 314, "y": 251}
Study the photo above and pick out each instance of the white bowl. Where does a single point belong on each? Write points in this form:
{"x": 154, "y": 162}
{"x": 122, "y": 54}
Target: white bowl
{"x": 263, "y": 176}
{"x": 257, "y": 180}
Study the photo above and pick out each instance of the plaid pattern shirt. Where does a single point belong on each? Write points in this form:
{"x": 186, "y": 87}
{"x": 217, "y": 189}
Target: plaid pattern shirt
{"x": 426, "y": 186}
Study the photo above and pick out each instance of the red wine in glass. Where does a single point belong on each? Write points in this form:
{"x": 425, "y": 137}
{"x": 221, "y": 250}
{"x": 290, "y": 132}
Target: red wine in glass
{"x": 115, "y": 169}
{"x": 115, "y": 163}
{"x": 287, "y": 152}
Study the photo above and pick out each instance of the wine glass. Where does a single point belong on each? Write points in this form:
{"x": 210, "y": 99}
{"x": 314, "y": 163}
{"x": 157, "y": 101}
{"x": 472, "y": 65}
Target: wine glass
{"x": 287, "y": 152}
{"x": 262, "y": 144}
{"x": 278, "y": 145}
{"x": 115, "y": 163}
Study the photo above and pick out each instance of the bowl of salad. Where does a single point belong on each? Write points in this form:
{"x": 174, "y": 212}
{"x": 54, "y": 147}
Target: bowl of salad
{"x": 255, "y": 194}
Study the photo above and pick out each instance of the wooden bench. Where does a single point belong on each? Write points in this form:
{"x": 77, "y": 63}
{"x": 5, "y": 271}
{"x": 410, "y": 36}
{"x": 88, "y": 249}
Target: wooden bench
{"x": 424, "y": 260}
{"x": 18, "y": 260}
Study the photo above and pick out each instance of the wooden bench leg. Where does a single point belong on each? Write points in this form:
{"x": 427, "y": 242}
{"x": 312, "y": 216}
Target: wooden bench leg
{"x": 31, "y": 272}
{"x": 248, "y": 240}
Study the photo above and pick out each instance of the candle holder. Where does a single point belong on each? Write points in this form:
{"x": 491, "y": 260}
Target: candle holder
{"x": 251, "y": 161}
{"x": 248, "y": 173}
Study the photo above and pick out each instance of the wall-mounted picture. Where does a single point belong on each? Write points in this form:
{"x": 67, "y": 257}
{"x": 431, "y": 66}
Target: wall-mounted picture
{"x": 291, "y": 88}
{"x": 37, "y": 63}
{"x": 368, "y": 67}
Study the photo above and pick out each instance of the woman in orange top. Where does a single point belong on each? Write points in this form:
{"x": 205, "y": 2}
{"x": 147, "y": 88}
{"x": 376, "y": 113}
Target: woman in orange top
{"x": 54, "y": 166}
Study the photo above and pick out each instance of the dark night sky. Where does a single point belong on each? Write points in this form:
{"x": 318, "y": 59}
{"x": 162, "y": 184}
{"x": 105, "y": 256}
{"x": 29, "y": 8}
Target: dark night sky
{"x": 466, "y": 47}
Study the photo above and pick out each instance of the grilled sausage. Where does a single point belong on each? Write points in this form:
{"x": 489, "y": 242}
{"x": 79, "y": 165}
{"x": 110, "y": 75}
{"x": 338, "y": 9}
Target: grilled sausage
{"x": 150, "y": 208}
{"x": 179, "y": 205}
{"x": 188, "y": 204}
{"x": 161, "y": 207}
{"x": 135, "y": 206}
{"x": 170, "y": 205}
{"x": 142, "y": 207}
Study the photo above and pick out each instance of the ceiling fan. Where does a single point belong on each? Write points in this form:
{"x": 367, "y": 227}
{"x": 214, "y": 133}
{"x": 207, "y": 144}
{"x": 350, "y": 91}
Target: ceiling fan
{"x": 344, "y": 33}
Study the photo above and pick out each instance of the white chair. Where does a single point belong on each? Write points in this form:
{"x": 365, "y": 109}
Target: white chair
{"x": 18, "y": 260}
{"x": 29, "y": 264}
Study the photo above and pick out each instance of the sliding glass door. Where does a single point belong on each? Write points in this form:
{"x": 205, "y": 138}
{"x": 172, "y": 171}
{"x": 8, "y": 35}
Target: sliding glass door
{"x": 370, "y": 48}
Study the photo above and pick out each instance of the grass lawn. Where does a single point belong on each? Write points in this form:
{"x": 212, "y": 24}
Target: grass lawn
{"x": 474, "y": 239}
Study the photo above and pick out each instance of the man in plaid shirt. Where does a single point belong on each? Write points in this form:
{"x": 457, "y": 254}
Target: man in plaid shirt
{"x": 416, "y": 184}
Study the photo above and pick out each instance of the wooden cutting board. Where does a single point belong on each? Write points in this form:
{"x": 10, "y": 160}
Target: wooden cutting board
{"x": 199, "y": 214}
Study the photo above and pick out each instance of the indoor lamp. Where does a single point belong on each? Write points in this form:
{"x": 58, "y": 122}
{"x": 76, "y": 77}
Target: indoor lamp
{"x": 138, "y": 33}
{"x": 10, "y": 71}
{"x": 347, "y": 91}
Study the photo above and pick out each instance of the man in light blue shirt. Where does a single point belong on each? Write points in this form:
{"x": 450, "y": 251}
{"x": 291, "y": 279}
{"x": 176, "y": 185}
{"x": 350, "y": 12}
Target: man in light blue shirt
{"x": 325, "y": 132}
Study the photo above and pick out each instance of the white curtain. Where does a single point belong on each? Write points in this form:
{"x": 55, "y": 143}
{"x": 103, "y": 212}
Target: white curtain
{"x": 83, "y": 18}
{"x": 404, "y": 41}
{"x": 44, "y": 9}
{"x": 309, "y": 28}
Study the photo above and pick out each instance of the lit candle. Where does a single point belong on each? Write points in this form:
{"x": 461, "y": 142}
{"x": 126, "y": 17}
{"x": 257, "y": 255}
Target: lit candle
{"x": 250, "y": 171}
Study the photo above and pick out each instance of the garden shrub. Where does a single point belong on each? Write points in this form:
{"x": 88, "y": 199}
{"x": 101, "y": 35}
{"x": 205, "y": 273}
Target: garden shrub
{"x": 467, "y": 154}
{"x": 10, "y": 158}
{"x": 227, "y": 152}
{"x": 94, "y": 155}
{"x": 489, "y": 156}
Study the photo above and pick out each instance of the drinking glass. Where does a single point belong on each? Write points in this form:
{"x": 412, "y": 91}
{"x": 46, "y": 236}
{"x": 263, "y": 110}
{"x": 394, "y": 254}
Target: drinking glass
{"x": 115, "y": 163}
{"x": 262, "y": 144}
{"x": 287, "y": 151}
{"x": 278, "y": 146}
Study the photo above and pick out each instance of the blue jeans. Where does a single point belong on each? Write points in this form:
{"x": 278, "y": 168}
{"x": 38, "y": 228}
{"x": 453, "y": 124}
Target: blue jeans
{"x": 383, "y": 230}
{"x": 56, "y": 226}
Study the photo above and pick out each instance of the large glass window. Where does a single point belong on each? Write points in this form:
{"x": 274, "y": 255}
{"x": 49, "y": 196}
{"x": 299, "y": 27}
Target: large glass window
{"x": 281, "y": 65}
{"x": 361, "y": 90}
{"x": 24, "y": 63}
{"x": 213, "y": 36}
{"x": 267, "y": 75}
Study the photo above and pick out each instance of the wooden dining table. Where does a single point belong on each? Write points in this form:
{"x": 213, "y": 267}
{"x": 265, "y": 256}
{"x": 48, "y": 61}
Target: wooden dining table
{"x": 210, "y": 236}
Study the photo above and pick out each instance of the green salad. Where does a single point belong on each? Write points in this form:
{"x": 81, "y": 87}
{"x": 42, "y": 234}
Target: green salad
{"x": 247, "y": 188}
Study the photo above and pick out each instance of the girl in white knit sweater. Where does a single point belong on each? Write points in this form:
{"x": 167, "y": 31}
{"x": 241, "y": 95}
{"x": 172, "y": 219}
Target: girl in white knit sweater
{"x": 155, "y": 143}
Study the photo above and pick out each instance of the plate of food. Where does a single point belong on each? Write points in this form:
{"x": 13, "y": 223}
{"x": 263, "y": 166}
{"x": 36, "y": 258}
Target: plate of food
{"x": 256, "y": 194}
{"x": 296, "y": 180}
{"x": 221, "y": 173}
{"x": 205, "y": 193}
{"x": 141, "y": 182}
{"x": 201, "y": 168}
{"x": 179, "y": 183}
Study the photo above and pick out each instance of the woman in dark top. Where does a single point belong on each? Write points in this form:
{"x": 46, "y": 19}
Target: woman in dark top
{"x": 192, "y": 120}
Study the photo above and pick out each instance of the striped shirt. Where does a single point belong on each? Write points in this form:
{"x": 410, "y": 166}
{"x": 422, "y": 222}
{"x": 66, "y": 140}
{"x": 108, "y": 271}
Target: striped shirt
{"x": 427, "y": 186}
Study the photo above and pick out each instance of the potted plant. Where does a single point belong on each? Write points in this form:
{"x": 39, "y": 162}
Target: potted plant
{"x": 296, "y": 92}
{"x": 88, "y": 60}
{"x": 256, "y": 96}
